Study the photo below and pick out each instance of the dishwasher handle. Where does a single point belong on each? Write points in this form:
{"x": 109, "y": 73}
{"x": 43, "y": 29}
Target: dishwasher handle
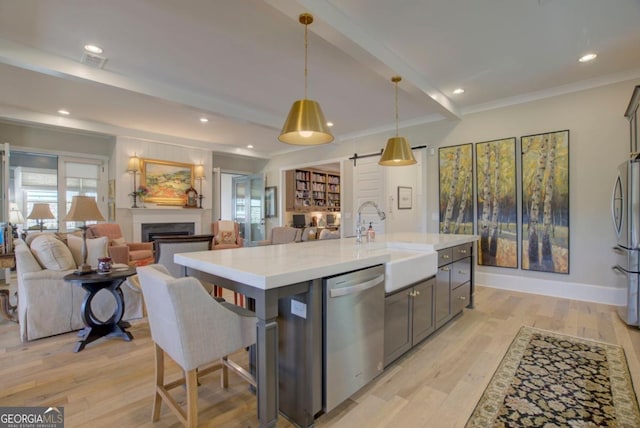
{"x": 343, "y": 291}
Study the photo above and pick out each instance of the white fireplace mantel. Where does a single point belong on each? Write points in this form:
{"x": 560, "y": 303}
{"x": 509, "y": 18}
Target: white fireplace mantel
{"x": 142, "y": 216}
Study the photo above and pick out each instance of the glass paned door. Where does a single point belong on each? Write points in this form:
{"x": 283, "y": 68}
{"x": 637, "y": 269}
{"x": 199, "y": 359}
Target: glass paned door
{"x": 248, "y": 203}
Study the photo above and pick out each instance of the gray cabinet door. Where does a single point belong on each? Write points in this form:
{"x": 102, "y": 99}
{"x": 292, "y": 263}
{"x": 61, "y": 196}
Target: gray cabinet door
{"x": 397, "y": 325}
{"x": 423, "y": 319}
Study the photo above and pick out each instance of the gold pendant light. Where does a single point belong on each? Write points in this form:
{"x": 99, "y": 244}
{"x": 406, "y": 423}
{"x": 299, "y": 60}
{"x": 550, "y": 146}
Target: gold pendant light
{"x": 397, "y": 152}
{"x": 305, "y": 125}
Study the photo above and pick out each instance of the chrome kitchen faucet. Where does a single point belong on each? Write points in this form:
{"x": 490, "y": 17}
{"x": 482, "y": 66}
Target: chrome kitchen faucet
{"x": 359, "y": 226}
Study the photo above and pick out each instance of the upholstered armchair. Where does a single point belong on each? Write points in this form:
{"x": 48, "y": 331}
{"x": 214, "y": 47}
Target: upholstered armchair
{"x": 130, "y": 253}
{"x": 282, "y": 235}
{"x": 226, "y": 235}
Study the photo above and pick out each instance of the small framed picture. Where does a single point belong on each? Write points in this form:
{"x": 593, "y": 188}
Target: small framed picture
{"x": 404, "y": 198}
{"x": 270, "y": 197}
{"x": 112, "y": 189}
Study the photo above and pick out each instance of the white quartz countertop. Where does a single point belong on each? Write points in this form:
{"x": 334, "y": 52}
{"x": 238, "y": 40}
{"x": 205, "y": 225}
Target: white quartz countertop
{"x": 423, "y": 241}
{"x": 273, "y": 266}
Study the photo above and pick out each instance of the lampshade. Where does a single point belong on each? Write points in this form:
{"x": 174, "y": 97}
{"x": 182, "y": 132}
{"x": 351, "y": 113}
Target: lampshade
{"x": 134, "y": 164}
{"x": 397, "y": 152}
{"x": 198, "y": 171}
{"x": 40, "y": 211}
{"x": 15, "y": 216}
{"x": 83, "y": 208}
{"x": 305, "y": 124}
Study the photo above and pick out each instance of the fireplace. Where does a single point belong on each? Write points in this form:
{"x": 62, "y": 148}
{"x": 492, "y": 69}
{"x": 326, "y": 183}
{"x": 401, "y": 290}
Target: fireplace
{"x": 166, "y": 217}
{"x": 151, "y": 231}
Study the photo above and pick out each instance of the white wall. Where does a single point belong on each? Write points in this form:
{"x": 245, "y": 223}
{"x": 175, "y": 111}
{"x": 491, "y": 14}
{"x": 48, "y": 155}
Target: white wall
{"x": 599, "y": 141}
{"x": 127, "y": 147}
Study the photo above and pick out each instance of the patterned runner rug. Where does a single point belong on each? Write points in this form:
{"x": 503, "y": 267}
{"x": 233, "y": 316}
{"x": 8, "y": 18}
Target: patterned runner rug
{"x": 553, "y": 380}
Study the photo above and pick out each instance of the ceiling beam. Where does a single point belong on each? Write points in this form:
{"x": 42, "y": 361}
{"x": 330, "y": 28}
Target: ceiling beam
{"x": 342, "y": 32}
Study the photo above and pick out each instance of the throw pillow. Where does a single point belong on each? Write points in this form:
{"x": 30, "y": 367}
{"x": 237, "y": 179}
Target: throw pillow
{"x": 33, "y": 235}
{"x": 51, "y": 253}
{"x": 96, "y": 248}
{"x": 225, "y": 238}
{"x": 117, "y": 241}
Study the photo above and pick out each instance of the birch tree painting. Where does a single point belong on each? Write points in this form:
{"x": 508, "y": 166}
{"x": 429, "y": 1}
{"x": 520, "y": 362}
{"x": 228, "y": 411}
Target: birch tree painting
{"x": 497, "y": 202}
{"x": 456, "y": 189}
{"x": 545, "y": 202}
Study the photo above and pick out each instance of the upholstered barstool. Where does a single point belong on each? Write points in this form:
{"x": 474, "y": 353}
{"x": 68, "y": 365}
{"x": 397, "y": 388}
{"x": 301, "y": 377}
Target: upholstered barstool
{"x": 196, "y": 331}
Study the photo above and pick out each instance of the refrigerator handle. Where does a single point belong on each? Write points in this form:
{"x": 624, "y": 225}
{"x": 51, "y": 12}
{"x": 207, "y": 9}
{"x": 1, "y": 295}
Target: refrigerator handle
{"x": 618, "y": 269}
{"x": 617, "y": 204}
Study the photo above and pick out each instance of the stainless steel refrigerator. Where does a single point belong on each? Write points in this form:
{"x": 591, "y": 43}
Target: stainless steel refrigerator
{"x": 625, "y": 211}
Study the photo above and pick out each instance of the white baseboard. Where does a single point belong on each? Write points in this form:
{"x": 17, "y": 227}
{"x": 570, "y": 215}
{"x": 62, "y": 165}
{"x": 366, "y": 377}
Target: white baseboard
{"x": 569, "y": 290}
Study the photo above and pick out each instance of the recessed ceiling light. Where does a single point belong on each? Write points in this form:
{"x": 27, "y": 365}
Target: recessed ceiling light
{"x": 64, "y": 112}
{"x": 249, "y": 146}
{"x": 458, "y": 91}
{"x": 588, "y": 57}
{"x": 93, "y": 49}
{"x": 329, "y": 124}
{"x": 204, "y": 120}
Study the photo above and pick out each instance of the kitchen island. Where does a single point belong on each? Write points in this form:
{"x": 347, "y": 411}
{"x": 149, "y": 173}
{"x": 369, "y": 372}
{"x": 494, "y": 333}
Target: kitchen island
{"x": 270, "y": 273}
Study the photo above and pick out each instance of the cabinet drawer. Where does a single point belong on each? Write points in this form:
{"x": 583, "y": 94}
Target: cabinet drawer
{"x": 445, "y": 256}
{"x": 460, "y": 272}
{"x": 461, "y": 251}
{"x": 460, "y": 298}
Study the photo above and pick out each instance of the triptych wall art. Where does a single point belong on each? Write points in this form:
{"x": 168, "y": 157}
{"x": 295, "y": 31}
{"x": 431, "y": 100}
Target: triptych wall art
{"x": 545, "y": 202}
{"x": 496, "y": 203}
{"x": 456, "y": 189}
{"x": 530, "y": 221}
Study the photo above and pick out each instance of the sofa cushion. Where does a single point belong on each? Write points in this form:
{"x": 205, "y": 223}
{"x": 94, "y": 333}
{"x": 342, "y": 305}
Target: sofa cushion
{"x": 96, "y": 248}
{"x": 52, "y": 253}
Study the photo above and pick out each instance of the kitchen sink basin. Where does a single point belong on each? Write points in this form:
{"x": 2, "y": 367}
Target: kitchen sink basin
{"x": 408, "y": 267}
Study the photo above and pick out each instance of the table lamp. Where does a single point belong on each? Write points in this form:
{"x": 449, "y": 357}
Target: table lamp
{"x": 40, "y": 212}
{"x": 15, "y": 218}
{"x": 84, "y": 208}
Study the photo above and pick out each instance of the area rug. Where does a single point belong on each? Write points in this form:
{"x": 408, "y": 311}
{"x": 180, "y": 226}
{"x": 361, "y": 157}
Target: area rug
{"x": 548, "y": 379}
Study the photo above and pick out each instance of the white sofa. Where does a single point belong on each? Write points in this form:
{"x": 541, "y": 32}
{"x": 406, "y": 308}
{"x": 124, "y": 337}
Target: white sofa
{"x": 49, "y": 305}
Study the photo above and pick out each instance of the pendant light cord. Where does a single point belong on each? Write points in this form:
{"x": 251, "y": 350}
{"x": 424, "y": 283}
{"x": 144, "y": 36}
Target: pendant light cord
{"x": 396, "y": 108}
{"x": 305, "y": 60}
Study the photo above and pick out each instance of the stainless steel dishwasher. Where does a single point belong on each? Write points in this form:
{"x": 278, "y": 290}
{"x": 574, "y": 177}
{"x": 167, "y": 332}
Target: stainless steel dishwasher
{"x": 353, "y": 339}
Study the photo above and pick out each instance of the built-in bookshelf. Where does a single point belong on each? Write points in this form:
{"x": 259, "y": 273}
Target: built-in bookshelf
{"x": 311, "y": 190}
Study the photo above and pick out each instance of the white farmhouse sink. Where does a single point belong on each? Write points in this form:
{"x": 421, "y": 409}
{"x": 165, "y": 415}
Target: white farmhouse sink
{"x": 407, "y": 267}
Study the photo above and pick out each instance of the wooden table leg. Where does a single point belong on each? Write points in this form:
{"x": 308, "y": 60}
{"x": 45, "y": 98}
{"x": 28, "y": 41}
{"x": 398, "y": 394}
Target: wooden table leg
{"x": 7, "y": 310}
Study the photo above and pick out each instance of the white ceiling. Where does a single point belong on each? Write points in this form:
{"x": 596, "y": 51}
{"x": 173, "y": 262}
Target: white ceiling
{"x": 240, "y": 63}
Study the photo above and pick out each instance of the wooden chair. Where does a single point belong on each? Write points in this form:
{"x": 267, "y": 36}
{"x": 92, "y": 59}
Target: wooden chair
{"x": 197, "y": 332}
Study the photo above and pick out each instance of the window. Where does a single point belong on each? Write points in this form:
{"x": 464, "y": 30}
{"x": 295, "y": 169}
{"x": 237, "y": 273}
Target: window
{"x": 34, "y": 179}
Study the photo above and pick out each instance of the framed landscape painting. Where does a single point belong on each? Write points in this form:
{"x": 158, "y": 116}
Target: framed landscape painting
{"x": 455, "y": 170}
{"x": 496, "y": 204}
{"x": 167, "y": 182}
{"x": 545, "y": 202}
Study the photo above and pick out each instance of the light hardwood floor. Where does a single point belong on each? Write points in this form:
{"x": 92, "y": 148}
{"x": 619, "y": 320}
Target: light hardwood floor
{"x": 437, "y": 384}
